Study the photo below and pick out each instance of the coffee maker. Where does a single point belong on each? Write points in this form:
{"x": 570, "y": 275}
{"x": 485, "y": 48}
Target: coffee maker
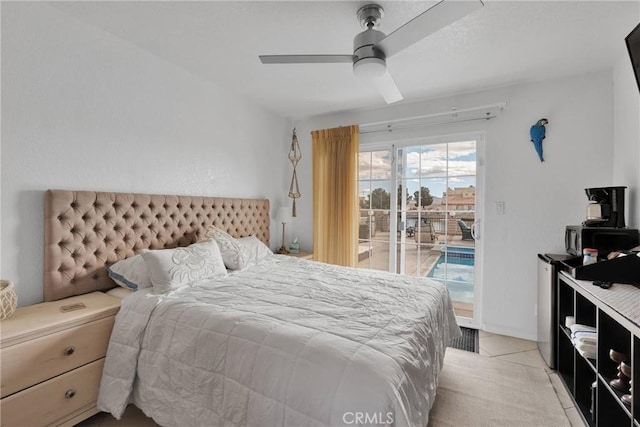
{"x": 606, "y": 207}
{"x": 605, "y": 228}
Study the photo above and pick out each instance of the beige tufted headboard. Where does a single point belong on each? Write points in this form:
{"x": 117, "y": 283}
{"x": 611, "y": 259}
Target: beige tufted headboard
{"x": 86, "y": 231}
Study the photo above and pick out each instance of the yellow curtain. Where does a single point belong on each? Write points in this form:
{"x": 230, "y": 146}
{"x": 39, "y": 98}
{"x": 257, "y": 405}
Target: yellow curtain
{"x": 335, "y": 195}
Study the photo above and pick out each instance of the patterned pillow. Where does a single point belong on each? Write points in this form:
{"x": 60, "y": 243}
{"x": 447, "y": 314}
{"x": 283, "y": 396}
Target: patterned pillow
{"x": 173, "y": 268}
{"x": 234, "y": 255}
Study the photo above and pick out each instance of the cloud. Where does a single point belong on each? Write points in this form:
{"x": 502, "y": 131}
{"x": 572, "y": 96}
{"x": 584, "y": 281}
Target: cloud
{"x": 437, "y": 160}
{"x": 375, "y": 165}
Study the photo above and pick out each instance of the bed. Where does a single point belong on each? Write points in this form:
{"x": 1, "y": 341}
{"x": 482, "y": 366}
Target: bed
{"x": 285, "y": 341}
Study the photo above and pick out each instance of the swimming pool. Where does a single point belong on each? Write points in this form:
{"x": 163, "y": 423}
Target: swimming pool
{"x": 455, "y": 268}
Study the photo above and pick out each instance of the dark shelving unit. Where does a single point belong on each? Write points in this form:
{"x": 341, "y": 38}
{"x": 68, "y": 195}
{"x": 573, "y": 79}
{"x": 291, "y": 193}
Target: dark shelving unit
{"x": 588, "y": 380}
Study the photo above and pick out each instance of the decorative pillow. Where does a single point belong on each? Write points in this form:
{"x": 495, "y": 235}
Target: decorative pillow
{"x": 234, "y": 255}
{"x": 131, "y": 273}
{"x": 256, "y": 250}
{"x": 172, "y": 268}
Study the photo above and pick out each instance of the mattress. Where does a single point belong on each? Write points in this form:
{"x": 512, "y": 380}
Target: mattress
{"x": 286, "y": 342}
{"x": 119, "y": 292}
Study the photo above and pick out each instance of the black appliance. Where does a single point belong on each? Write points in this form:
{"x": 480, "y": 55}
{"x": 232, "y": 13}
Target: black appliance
{"x": 604, "y": 239}
{"x": 611, "y": 204}
{"x": 548, "y": 267}
{"x": 604, "y": 228}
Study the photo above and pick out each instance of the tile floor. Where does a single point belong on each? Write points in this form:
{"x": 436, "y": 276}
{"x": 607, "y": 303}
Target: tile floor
{"x": 508, "y": 349}
{"x": 524, "y": 352}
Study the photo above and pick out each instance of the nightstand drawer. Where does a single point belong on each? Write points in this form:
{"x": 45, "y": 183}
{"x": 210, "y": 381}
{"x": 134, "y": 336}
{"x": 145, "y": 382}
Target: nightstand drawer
{"x": 32, "y": 362}
{"x": 55, "y": 400}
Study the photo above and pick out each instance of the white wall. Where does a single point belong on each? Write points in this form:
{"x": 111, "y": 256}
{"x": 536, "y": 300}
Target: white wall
{"x": 626, "y": 136}
{"x": 540, "y": 198}
{"x": 82, "y": 109}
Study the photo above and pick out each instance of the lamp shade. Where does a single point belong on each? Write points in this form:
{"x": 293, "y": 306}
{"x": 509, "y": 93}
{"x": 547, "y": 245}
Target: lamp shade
{"x": 283, "y": 214}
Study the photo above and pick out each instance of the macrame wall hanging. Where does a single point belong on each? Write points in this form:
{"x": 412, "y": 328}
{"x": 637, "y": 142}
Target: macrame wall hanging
{"x": 294, "y": 155}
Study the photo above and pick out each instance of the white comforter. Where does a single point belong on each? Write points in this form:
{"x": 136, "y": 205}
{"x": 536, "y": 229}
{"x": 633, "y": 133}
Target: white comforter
{"x": 286, "y": 342}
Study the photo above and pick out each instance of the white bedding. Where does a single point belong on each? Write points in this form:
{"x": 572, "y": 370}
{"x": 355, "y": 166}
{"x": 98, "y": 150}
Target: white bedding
{"x": 287, "y": 342}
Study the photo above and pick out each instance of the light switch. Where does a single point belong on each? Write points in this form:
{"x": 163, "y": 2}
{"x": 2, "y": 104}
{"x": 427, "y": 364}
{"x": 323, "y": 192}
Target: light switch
{"x": 499, "y": 208}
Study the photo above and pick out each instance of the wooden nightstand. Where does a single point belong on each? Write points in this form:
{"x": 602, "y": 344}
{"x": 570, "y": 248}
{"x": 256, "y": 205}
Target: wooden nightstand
{"x": 303, "y": 255}
{"x": 52, "y": 358}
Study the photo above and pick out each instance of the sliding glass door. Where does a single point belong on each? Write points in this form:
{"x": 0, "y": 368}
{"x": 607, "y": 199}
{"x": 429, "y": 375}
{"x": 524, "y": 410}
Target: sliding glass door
{"x": 375, "y": 191}
{"x": 419, "y": 215}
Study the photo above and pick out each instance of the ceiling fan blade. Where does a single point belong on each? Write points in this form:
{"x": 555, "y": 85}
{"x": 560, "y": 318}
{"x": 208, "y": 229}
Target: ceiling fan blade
{"x": 305, "y": 59}
{"x": 387, "y": 88}
{"x": 436, "y": 17}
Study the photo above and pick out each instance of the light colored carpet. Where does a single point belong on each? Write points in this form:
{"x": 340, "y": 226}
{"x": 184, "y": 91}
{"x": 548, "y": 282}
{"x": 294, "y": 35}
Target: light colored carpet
{"x": 479, "y": 391}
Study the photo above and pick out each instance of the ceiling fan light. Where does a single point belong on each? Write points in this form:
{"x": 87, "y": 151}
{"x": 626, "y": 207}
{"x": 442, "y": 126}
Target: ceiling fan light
{"x": 370, "y": 68}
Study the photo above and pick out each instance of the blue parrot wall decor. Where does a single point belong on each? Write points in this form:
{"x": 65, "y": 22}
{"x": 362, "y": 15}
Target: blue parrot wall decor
{"x": 537, "y": 132}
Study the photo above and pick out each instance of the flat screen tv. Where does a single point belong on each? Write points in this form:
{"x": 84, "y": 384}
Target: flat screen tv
{"x": 633, "y": 45}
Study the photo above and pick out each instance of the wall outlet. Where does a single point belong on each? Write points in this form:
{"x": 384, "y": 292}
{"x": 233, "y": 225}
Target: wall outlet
{"x": 499, "y": 208}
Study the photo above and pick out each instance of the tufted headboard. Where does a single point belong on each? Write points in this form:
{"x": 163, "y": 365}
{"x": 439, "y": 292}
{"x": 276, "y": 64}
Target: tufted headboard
{"x": 87, "y": 231}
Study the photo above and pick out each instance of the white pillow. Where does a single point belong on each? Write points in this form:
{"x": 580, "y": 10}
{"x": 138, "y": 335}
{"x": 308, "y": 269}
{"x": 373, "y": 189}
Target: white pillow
{"x": 256, "y": 250}
{"x": 234, "y": 255}
{"x": 173, "y": 268}
{"x": 131, "y": 273}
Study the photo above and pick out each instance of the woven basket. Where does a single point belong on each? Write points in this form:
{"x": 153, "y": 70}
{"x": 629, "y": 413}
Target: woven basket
{"x": 8, "y": 299}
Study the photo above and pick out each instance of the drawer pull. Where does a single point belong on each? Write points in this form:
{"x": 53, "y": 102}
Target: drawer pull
{"x": 69, "y": 350}
{"x": 70, "y": 393}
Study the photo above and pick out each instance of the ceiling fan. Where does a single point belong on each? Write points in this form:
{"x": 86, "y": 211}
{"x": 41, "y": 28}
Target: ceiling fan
{"x": 371, "y": 48}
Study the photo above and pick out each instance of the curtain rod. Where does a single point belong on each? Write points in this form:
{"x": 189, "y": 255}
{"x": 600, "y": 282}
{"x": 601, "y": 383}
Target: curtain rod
{"x": 391, "y": 129}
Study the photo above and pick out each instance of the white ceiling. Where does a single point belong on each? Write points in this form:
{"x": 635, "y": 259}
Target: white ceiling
{"x": 506, "y": 42}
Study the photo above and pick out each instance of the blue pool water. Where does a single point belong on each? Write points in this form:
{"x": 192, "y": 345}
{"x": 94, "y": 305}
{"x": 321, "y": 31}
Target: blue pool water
{"x": 455, "y": 268}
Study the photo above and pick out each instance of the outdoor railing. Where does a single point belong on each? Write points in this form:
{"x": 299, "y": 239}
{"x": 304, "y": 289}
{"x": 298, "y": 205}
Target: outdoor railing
{"x": 442, "y": 222}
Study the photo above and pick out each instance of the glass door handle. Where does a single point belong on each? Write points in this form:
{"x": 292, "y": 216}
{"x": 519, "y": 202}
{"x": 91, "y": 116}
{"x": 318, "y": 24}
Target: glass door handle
{"x": 473, "y": 230}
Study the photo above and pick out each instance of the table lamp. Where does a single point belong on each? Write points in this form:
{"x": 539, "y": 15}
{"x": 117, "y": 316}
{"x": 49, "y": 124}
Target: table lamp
{"x": 284, "y": 217}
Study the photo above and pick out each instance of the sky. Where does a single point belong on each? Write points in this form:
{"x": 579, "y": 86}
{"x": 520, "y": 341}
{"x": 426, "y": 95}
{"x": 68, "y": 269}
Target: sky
{"x": 435, "y": 166}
